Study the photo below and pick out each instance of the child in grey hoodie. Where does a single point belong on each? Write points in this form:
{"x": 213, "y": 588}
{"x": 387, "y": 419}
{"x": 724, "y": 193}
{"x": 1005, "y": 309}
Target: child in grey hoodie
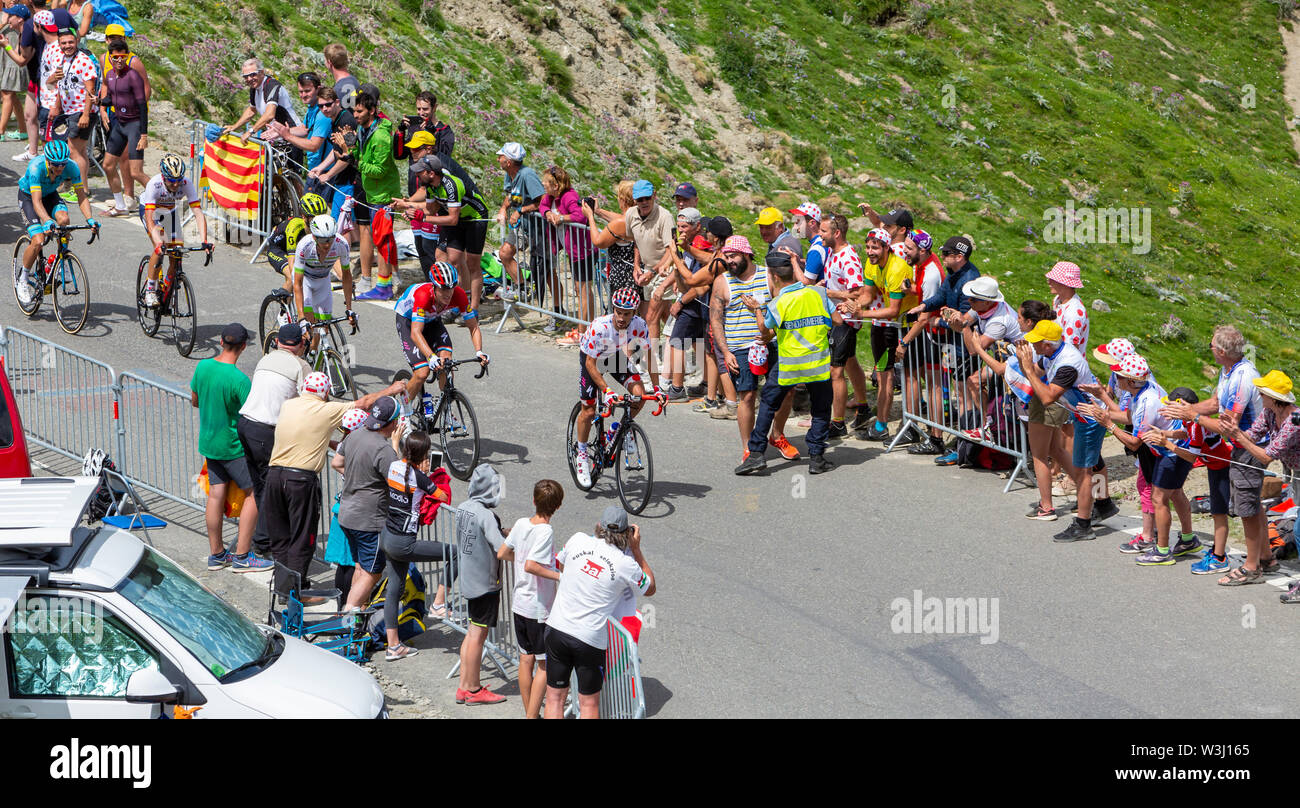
{"x": 479, "y": 537}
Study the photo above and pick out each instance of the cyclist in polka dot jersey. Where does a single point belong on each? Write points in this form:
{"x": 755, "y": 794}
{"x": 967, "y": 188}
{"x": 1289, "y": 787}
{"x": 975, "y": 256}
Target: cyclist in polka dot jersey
{"x": 1071, "y": 314}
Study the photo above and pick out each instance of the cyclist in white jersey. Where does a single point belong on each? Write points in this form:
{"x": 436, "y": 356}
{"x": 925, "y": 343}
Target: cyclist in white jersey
{"x": 313, "y": 263}
{"x": 163, "y": 222}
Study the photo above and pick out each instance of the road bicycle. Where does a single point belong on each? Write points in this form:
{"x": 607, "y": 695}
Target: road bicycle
{"x": 175, "y": 298}
{"x": 331, "y": 354}
{"x": 626, "y": 449}
{"x": 60, "y": 275}
{"x": 287, "y": 187}
{"x": 450, "y": 415}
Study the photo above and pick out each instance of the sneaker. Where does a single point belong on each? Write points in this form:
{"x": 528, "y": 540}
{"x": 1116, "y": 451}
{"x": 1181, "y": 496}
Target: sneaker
{"x": 1154, "y": 558}
{"x": 675, "y": 393}
{"x": 150, "y": 299}
{"x": 481, "y": 696}
{"x": 837, "y": 430}
{"x": 818, "y": 464}
{"x": 877, "y": 431}
{"x": 949, "y": 459}
{"x": 724, "y": 412}
{"x": 250, "y": 563}
{"x": 863, "y": 420}
{"x": 980, "y": 435}
{"x": 751, "y": 463}
{"x": 573, "y": 337}
{"x": 25, "y": 292}
{"x": 69, "y": 196}
{"x": 930, "y": 446}
{"x": 401, "y": 651}
{"x": 509, "y": 295}
{"x": 783, "y": 446}
{"x": 583, "y": 464}
{"x": 1077, "y": 531}
{"x": 1182, "y": 548}
{"x": 1137, "y": 545}
{"x": 1210, "y": 565}
{"x": 550, "y": 327}
{"x": 707, "y": 405}
{"x": 1292, "y": 595}
{"x": 1037, "y": 512}
{"x": 696, "y": 390}
{"x": 1104, "y": 509}
{"x": 23, "y": 156}
{"x": 221, "y": 560}
{"x": 378, "y": 293}
{"x": 910, "y": 436}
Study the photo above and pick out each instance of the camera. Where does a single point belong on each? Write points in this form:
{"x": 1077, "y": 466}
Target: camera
{"x": 350, "y": 138}
{"x": 590, "y": 201}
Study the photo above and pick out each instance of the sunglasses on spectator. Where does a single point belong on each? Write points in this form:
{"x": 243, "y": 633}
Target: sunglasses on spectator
{"x": 252, "y": 75}
{"x": 309, "y": 78}
{"x": 329, "y": 103}
{"x": 641, "y": 199}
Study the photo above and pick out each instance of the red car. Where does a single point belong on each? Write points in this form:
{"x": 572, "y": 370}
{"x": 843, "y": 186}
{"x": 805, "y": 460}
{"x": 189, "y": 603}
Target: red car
{"x": 14, "y": 460}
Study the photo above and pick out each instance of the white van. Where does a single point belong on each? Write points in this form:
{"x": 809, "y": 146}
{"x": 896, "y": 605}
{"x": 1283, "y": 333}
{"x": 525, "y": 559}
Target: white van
{"x": 99, "y": 625}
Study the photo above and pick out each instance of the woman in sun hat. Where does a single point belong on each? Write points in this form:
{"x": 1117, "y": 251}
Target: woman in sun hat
{"x": 1065, "y": 279}
{"x": 1113, "y": 353}
{"x": 1273, "y": 436}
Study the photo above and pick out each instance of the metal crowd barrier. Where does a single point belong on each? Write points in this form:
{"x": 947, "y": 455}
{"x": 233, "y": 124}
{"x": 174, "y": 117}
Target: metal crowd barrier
{"x": 258, "y": 225}
{"x": 622, "y": 694}
{"x": 68, "y": 401}
{"x": 162, "y": 455}
{"x": 961, "y": 396}
{"x": 573, "y": 288}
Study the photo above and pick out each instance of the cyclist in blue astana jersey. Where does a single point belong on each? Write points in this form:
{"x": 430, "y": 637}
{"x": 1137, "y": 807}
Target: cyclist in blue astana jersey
{"x": 42, "y": 207}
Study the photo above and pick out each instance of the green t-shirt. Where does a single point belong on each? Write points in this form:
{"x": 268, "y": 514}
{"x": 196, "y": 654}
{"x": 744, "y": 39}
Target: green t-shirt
{"x": 221, "y": 389}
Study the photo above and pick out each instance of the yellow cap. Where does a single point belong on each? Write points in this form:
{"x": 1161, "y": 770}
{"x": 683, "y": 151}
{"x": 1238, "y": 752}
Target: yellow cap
{"x": 768, "y": 216}
{"x": 114, "y": 29}
{"x": 421, "y": 138}
{"x": 1276, "y": 384}
{"x": 1048, "y": 330}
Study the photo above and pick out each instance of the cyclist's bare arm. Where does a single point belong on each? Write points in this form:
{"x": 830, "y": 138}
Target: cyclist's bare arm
{"x": 346, "y": 275}
{"x": 297, "y": 288}
{"x": 203, "y": 224}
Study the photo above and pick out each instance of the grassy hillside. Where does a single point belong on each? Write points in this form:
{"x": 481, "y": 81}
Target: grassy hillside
{"x": 979, "y": 115}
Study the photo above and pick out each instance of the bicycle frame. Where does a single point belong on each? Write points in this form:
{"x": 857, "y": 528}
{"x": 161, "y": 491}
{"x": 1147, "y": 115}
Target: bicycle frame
{"x": 624, "y": 403}
{"x": 61, "y": 248}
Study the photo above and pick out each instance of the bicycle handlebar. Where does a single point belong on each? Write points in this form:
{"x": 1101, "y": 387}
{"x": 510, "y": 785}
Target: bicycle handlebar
{"x": 451, "y": 365}
{"x": 68, "y": 228}
{"x": 627, "y": 400}
{"x": 321, "y": 324}
{"x": 179, "y": 252}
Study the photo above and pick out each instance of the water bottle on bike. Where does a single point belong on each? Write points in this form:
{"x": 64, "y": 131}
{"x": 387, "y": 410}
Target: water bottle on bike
{"x": 611, "y": 432}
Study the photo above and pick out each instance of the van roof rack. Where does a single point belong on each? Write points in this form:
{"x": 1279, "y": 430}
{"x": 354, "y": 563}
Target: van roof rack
{"x": 42, "y": 512}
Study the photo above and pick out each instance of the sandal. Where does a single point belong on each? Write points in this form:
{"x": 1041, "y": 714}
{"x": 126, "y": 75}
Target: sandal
{"x": 1272, "y": 565}
{"x": 1241, "y": 576}
{"x": 113, "y": 211}
{"x": 438, "y": 610}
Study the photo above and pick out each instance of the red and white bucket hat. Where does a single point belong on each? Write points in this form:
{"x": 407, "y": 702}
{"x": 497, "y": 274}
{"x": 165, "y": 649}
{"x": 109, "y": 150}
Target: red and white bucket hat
{"x": 1066, "y": 273}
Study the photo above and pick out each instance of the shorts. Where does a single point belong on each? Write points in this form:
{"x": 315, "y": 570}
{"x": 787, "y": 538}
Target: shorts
{"x": 468, "y": 236}
{"x": 1167, "y": 472}
{"x": 435, "y": 333}
{"x": 317, "y": 297}
{"x": 566, "y": 655}
{"x": 1087, "y": 444}
{"x": 1246, "y": 481}
{"x": 224, "y": 471}
{"x": 171, "y": 219}
{"x": 53, "y": 203}
{"x": 584, "y": 268}
{"x": 336, "y": 205}
{"x": 530, "y": 634}
{"x": 66, "y": 127}
{"x": 1054, "y": 415}
{"x": 366, "y": 553}
{"x": 483, "y": 609}
{"x": 884, "y": 346}
{"x": 655, "y": 283}
{"x": 744, "y": 379}
{"x": 1220, "y": 491}
{"x": 277, "y": 259}
{"x": 690, "y": 323}
{"x": 361, "y": 212}
{"x": 517, "y": 238}
{"x": 844, "y": 344}
{"x": 125, "y": 137}
{"x": 589, "y": 388}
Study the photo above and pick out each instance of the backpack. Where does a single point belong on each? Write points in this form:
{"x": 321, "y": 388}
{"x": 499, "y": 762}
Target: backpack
{"x": 95, "y": 464}
{"x": 410, "y": 613}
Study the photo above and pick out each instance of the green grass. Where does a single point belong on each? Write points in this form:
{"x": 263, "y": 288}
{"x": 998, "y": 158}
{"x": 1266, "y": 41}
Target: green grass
{"x": 981, "y": 82}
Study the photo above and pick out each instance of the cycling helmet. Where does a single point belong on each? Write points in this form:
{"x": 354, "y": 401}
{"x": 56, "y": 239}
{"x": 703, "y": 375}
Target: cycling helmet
{"x": 172, "y": 167}
{"x": 56, "y": 152}
{"x": 443, "y": 275}
{"x": 314, "y": 205}
{"x": 323, "y": 226}
{"x": 93, "y": 463}
{"x": 626, "y": 298}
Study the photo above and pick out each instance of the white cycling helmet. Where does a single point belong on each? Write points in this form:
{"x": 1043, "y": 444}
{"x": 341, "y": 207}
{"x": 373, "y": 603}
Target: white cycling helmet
{"x": 323, "y": 226}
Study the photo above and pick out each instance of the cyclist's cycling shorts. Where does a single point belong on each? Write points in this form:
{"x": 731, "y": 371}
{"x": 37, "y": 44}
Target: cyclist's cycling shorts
{"x": 277, "y": 259}
{"x": 589, "y": 388}
{"x": 318, "y": 296}
{"x": 53, "y": 204}
{"x": 171, "y": 219}
{"x": 435, "y": 333}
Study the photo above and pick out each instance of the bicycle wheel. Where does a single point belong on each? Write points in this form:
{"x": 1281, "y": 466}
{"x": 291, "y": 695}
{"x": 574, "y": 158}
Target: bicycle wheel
{"x": 149, "y": 318}
{"x": 459, "y": 430}
{"x": 285, "y": 193}
{"x": 71, "y": 290}
{"x": 19, "y": 249}
{"x": 634, "y": 469}
{"x": 332, "y": 363}
{"x": 273, "y": 314}
{"x": 571, "y": 452}
{"x": 270, "y": 343}
{"x": 184, "y": 316}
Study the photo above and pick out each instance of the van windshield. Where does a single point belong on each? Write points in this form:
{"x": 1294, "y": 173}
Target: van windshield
{"x": 218, "y": 635}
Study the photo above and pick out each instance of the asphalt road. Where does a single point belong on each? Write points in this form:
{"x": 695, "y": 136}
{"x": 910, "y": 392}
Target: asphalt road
{"x": 777, "y": 593}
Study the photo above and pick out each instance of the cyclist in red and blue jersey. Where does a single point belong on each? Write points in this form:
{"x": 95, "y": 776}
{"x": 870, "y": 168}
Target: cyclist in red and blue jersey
{"x": 42, "y": 207}
{"x": 419, "y": 325}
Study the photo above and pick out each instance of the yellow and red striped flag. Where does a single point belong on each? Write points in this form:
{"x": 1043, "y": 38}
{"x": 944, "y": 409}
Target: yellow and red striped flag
{"x": 233, "y": 173}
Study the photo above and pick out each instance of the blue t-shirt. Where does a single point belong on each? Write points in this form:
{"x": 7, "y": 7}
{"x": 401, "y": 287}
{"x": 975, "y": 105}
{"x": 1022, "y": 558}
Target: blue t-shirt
{"x": 321, "y": 126}
{"x": 37, "y": 176}
{"x": 816, "y": 261}
{"x": 524, "y": 188}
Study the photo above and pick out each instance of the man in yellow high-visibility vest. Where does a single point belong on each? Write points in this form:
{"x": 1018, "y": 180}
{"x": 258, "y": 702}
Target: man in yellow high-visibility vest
{"x": 796, "y": 324}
